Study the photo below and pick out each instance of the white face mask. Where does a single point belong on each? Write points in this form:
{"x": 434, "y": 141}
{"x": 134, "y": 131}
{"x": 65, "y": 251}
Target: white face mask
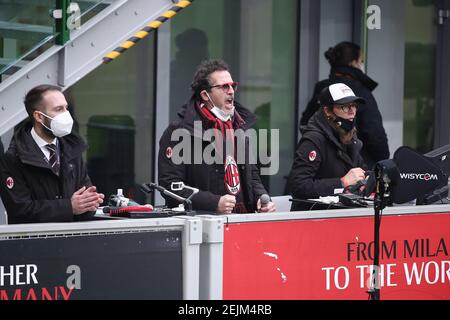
{"x": 61, "y": 125}
{"x": 219, "y": 113}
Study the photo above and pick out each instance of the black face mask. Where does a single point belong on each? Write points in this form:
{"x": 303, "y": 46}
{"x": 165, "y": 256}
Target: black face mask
{"x": 345, "y": 124}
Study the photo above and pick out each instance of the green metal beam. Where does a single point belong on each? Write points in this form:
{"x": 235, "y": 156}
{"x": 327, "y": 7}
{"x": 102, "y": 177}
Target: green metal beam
{"x": 61, "y": 24}
{"x": 365, "y": 33}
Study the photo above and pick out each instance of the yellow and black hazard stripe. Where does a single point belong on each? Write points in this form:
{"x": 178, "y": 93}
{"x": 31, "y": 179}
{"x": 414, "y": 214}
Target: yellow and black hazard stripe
{"x": 155, "y": 24}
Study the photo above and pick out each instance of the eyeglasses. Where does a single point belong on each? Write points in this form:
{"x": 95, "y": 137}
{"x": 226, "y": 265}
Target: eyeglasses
{"x": 226, "y": 86}
{"x": 346, "y": 107}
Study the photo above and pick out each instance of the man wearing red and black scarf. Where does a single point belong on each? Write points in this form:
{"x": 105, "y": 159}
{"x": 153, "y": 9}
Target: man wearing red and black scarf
{"x": 226, "y": 186}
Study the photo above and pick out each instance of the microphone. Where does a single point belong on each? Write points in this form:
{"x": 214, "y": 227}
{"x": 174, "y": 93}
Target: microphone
{"x": 187, "y": 203}
{"x": 147, "y": 188}
{"x": 153, "y": 185}
{"x": 264, "y": 199}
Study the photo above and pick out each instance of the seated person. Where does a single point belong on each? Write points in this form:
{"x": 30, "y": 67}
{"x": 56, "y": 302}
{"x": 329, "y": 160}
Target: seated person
{"x": 347, "y": 66}
{"x": 43, "y": 175}
{"x": 225, "y": 187}
{"x": 328, "y": 154}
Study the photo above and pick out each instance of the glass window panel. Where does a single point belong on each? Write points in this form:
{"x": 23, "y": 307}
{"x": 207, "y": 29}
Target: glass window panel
{"x": 26, "y": 30}
{"x": 113, "y": 107}
{"x": 420, "y": 66}
{"x": 258, "y": 39}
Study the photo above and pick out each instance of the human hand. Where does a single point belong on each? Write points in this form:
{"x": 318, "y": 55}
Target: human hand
{"x": 269, "y": 207}
{"x": 100, "y": 196}
{"x": 86, "y": 199}
{"x": 353, "y": 176}
{"x": 226, "y": 204}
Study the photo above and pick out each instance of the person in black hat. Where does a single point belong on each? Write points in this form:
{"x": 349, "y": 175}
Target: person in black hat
{"x": 328, "y": 154}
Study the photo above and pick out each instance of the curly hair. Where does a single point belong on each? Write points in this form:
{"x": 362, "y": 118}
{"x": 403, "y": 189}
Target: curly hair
{"x": 201, "y": 78}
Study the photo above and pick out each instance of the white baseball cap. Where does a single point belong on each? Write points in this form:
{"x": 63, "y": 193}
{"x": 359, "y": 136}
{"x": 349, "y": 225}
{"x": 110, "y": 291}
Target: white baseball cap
{"x": 338, "y": 93}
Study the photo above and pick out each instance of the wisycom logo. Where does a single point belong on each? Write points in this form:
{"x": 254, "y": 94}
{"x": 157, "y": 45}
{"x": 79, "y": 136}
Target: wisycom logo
{"x": 247, "y": 144}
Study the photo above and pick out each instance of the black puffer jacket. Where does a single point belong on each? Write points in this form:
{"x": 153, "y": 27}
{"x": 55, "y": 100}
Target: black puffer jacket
{"x": 209, "y": 179}
{"x": 30, "y": 191}
{"x": 321, "y": 160}
{"x": 369, "y": 122}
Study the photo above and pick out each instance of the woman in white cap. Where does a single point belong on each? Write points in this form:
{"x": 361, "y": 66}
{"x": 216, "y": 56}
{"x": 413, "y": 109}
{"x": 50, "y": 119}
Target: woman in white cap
{"x": 346, "y": 60}
{"x": 328, "y": 155}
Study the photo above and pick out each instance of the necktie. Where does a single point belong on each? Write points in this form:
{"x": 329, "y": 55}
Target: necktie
{"x": 53, "y": 161}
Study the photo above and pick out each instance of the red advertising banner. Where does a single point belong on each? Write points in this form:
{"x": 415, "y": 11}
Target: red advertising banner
{"x": 332, "y": 258}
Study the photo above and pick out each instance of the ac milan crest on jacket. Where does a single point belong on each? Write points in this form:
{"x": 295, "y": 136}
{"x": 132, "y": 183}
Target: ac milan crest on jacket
{"x": 213, "y": 180}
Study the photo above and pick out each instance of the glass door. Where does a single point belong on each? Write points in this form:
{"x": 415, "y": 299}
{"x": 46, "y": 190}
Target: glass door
{"x": 442, "y": 135}
{"x": 420, "y": 74}
{"x": 27, "y": 29}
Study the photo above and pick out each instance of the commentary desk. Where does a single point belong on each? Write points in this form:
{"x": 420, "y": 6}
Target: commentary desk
{"x": 328, "y": 255}
{"x": 104, "y": 259}
{"x": 293, "y": 255}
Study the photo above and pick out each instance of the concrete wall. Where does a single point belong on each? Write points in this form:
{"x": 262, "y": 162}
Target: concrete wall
{"x": 385, "y": 61}
{"x": 336, "y": 25}
{"x": 309, "y": 47}
{"x": 323, "y": 24}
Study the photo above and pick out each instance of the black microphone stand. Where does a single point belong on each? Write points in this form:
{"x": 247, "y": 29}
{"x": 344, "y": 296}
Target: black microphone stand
{"x": 374, "y": 290}
{"x": 384, "y": 176}
{"x": 187, "y": 202}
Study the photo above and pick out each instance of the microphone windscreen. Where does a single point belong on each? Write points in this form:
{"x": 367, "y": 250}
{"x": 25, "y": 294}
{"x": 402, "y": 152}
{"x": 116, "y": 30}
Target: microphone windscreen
{"x": 417, "y": 176}
{"x": 265, "y": 199}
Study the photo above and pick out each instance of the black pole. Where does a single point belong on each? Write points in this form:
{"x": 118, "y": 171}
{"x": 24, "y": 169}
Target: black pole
{"x": 387, "y": 176}
{"x": 379, "y": 204}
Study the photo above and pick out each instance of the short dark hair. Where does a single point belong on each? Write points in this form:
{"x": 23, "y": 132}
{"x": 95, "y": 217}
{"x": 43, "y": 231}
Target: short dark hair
{"x": 201, "y": 78}
{"x": 34, "y": 97}
{"x": 343, "y": 54}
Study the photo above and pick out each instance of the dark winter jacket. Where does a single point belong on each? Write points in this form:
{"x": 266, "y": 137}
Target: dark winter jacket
{"x": 30, "y": 191}
{"x": 209, "y": 179}
{"x": 369, "y": 122}
{"x": 321, "y": 160}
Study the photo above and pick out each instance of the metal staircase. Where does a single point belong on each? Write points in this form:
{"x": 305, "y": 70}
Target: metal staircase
{"x": 33, "y": 50}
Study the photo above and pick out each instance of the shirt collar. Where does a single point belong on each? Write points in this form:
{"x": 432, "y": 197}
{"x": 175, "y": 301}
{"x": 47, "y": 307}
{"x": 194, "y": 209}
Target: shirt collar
{"x": 39, "y": 141}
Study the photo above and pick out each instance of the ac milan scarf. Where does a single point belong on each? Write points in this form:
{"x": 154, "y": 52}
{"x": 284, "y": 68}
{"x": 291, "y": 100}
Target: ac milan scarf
{"x": 224, "y": 131}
